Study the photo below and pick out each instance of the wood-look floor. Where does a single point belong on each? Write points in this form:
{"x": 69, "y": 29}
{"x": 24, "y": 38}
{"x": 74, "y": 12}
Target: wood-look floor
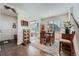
{"x": 11, "y": 49}
{"x": 21, "y": 50}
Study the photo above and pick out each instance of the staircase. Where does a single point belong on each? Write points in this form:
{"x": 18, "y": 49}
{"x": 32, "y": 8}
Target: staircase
{"x": 76, "y": 26}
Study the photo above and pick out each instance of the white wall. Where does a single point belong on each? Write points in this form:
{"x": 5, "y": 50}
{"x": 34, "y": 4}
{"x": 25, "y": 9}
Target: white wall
{"x": 21, "y": 16}
{"x": 6, "y": 22}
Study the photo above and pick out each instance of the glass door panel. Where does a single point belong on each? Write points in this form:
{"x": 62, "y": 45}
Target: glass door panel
{"x": 34, "y": 31}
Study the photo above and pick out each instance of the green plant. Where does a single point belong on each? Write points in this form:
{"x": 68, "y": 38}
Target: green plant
{"x": 67, "y": 24}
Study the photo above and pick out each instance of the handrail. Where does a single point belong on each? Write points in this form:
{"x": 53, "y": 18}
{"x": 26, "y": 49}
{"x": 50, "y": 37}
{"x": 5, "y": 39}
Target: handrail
{"x": 75, "y": 20}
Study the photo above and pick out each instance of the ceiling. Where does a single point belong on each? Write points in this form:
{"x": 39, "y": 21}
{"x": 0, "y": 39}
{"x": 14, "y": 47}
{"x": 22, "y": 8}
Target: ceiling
{"x": 41, "y": 9}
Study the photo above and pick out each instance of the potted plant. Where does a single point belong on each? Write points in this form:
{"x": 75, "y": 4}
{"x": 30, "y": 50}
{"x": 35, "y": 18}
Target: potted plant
{"x": 67, "y": 26}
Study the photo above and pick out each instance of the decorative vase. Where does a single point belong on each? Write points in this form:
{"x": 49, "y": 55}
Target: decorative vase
{"x": 67, "y": 30}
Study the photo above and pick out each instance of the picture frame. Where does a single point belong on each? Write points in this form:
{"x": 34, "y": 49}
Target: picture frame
{"x": 24, "y": 23}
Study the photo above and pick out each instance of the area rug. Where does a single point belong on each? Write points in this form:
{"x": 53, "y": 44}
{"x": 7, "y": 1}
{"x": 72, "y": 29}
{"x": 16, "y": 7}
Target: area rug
{"x": 52, "y": 50}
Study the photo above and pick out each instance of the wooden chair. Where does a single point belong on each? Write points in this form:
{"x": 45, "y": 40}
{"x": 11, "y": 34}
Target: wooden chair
{"x": 45, "y": 37}
{"x": 42, "y": 34}
{"x": 49, "y": 38}
{"x": 66, "y": 43}
{"x": 42, "y": 37}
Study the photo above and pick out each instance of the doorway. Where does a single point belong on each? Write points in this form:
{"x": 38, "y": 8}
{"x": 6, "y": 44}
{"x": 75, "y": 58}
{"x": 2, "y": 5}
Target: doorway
{"x": 34, "y": 31}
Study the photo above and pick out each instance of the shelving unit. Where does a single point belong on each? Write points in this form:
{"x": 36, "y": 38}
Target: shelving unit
{"x": 26, "y": 36}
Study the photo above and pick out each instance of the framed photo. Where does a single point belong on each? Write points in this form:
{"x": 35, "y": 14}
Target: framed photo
{"x": 24, "y": 23}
